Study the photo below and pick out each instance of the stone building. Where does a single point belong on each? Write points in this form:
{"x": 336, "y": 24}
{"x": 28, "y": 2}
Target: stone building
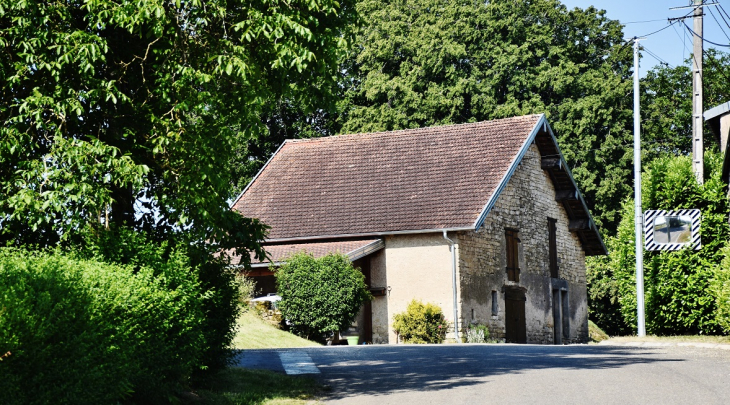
{"x": 483, "y": 219}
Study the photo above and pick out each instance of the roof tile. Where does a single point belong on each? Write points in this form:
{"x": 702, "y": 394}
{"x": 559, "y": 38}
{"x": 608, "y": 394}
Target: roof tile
{"x": 384, "y": 182}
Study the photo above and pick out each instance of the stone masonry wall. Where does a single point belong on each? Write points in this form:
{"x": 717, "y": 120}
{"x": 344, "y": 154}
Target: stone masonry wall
{"x": 525, "y": 204}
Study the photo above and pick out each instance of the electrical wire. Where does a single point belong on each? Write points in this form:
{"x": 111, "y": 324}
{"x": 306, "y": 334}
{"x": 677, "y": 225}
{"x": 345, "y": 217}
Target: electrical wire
{"x": 721, "y": 11}
{"x": 641, "y": 22}
{"x": 659, "y": 30}
{"x": 683, "y": 38}
{"x": 717, "y": 66}
{"x": 718, "y": 23}
{"x": 702, "y": 38}
{"x": 655, "y": 56}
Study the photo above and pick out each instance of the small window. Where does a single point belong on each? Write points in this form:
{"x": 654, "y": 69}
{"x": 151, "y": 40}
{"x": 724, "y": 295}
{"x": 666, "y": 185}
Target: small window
{"x": 495, "y": 304}
{"x": 513, "y": 269}
{"x": 553, "y": 247}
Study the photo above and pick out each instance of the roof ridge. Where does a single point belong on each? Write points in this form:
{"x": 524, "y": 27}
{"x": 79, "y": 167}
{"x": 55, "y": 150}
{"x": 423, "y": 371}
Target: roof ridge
{"x": 409, "y": 130}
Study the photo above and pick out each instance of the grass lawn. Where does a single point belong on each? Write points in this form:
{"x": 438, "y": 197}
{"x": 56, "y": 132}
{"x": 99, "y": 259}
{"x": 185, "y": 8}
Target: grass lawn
{"x": 238, "y": 386}
{"x": 255, "y": 333}
{"x": 672, "y": 339}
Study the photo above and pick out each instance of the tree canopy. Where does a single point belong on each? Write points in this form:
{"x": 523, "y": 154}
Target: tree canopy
{"x": 666, "y": 104}
{"x": 419, "y": 63}
{"x": 128, "y": 112}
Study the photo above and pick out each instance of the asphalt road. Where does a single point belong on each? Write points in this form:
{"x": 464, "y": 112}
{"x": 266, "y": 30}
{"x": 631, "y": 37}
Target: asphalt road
{"x": 507, "y": 374}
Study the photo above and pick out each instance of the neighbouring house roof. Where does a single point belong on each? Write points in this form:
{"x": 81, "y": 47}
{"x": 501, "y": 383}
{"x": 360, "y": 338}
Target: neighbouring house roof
{"x": 407, "y": 181}
{"x": 353, "y": 249}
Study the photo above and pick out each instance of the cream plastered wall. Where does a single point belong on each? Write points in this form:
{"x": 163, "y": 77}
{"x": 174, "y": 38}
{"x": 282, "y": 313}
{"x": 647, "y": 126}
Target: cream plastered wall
{"x": 418, "y": 267}
{"x": 525, "y": 204}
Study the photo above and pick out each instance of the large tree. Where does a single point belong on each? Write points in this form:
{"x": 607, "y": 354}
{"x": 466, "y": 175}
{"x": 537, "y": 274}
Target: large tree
{"x": 666, "y": 104}
{"x": 429, "y": 62}
{"x": 128, "y": 112}
{"x": 120, "y": 120}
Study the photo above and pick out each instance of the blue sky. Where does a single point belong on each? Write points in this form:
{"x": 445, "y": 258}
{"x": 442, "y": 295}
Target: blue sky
{"x": 671, "y": 45}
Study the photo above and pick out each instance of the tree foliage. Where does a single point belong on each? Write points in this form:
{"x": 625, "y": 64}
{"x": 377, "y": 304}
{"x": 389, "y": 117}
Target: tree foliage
{"x": 666, "y": 104}
{"x": 420, "y": 63}
{"x": 126, "y": 115}
{"x": 117, "y": 104}
{"x": 320, "y": 296}
{"x": 678, "y": 294}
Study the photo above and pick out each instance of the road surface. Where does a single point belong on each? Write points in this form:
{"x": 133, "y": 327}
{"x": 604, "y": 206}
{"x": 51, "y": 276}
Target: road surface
{"x": 507, "y": 374}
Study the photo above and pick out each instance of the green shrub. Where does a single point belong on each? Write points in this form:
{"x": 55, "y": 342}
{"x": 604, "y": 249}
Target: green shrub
{"x": 246, "y": 288}
{"x": 477, "y": 333}
{"x": 320, "y": 296}
{"x": 421, "y": 323}
{"x": 678, "y": 296}
{"x": 80, "y": 331}
{"x": 220, "y": 301}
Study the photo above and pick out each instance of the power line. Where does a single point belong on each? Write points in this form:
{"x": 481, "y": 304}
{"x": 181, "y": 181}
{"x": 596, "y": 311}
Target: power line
{"x": 655, "y": 56}
{"x": 659, "y": 30}
{"x": 722, "y": 13}
{"x": 718, "y": 23}
{"x": 682, "y": 38}
{"x": 717, "y": 65}
{"x": 642, "y": 22}
{"x": 702, "y": 38}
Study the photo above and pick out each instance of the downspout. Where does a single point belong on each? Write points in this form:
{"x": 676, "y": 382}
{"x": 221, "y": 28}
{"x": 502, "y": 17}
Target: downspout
{"x": 452, "y": 248}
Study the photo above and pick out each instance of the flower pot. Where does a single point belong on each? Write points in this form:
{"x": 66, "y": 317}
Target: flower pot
{"x": 352, "y": 340}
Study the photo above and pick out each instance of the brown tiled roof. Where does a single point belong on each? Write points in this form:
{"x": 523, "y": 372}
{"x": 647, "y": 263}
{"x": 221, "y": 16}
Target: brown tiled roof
{"x": 353, "y": 249}
{"x": 418, "y": 179}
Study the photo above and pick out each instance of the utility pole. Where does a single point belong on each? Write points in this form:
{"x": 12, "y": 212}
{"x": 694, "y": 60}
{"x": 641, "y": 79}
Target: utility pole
{"x": 638, "y": 215}
{"x": 698, "y": 149}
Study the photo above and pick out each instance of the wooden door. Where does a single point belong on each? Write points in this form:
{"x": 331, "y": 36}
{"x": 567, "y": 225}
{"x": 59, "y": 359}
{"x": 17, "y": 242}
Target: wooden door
{"x": 515, "y": 323}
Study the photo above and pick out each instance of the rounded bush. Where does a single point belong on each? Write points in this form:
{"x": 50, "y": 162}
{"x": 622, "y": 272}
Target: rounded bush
{"x": 320, "y": 296}
{"x": 421, "y": 323}
{"x": 84, "y": 332}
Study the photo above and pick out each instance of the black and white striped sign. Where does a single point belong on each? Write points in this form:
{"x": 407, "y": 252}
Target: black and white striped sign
{"x": 672, "y": 230}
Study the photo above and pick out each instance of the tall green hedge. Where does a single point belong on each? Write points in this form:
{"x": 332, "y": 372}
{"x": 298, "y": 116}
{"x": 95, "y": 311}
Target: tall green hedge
{"x": 220, "y": 303}
{"x": 678, "y": 285}
{"x": 720, "y": 286}
{"x": 84, "y": 332}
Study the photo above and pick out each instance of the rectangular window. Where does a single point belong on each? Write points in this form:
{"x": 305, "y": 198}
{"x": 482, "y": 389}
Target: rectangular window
{"x": 513, "y": 269}
{"x": 552, "y": 225}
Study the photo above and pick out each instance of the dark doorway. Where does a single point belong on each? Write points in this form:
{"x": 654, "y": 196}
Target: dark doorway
{"x": 514, "y": 313}
{"x": 366, "y": 333}
{"x": 561, "y": 316}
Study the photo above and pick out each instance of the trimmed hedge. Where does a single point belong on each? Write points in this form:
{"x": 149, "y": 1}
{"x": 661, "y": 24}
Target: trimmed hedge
{"x": 85, "y": 332}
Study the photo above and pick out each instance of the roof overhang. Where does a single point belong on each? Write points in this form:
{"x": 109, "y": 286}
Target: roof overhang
{"x": 581, "y": 220}
{"x": 354, "y": 250}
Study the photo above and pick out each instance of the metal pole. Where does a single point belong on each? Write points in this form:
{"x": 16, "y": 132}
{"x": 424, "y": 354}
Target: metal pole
{"x": 638, "y": 216}
{"x": 698, "y": 149}
{"x": 452, "y": 248}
